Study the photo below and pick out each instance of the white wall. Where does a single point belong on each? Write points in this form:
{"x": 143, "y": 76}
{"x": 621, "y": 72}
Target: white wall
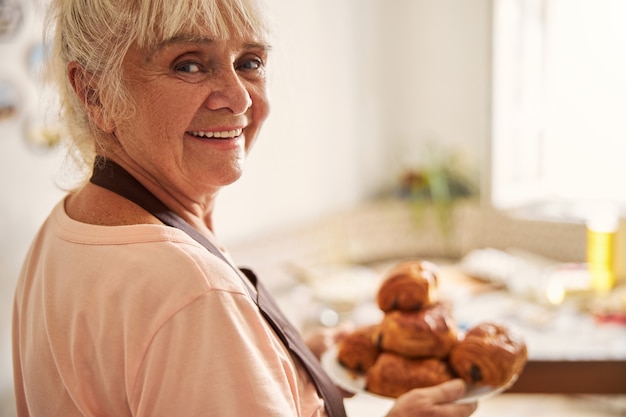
{"x": 307, "y": 159}
{"x": 437, "y": 77}
{"x": 358, "y": 84}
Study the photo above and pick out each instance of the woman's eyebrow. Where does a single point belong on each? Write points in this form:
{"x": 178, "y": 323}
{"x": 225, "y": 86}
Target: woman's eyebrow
{"x": 257, "y": 45}
{"x": 178, "y": 40}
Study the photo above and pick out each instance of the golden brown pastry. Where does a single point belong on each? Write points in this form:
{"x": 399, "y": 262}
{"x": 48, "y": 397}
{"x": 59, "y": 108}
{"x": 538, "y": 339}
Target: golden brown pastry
{"x": 409, "y": 286}
{"x": 430, "y": 332}
{"x": 393, "y": 375}
{"x": 489, "y": 354}
{"x": 357, "y": 351}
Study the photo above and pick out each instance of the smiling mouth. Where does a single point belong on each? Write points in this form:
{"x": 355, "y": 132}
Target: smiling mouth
{"x": 227, "y": 134}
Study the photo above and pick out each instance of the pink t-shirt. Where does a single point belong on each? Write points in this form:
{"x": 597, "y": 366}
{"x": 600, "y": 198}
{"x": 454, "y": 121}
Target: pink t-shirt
{"x": 143, "y": 321}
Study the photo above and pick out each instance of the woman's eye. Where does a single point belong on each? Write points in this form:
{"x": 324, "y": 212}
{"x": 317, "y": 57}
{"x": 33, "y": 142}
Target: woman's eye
{"x": 251, "y": 64}
{"x": 189, "y": 68}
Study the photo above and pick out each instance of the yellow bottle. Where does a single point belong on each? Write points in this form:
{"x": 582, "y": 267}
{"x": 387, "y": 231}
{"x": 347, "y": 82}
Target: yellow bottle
{"x": 601, "y": 237}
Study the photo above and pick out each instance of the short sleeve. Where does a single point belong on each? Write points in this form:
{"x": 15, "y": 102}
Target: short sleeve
{"x": 216, "y": 356}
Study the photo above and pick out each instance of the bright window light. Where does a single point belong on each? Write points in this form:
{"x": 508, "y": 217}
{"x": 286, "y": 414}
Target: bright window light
{"x": 559, "y": 104}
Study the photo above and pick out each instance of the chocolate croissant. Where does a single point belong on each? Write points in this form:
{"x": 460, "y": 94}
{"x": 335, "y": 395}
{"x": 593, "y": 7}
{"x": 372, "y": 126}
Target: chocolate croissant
{"x": 358, "y": 351}
{"x": 489, "y": 354}
{"x": 409, "y": 286}
{"x": 393, "y": 375}
{"x": 430, "y": 332}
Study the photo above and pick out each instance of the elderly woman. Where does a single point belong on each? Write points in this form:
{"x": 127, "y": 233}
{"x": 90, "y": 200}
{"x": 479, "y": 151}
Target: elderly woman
{"x": 127, "y": 305}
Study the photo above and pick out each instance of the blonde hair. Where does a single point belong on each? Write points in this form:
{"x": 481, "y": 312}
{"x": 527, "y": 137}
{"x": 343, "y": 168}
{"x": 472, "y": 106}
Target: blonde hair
{"x": 97, "y": 35}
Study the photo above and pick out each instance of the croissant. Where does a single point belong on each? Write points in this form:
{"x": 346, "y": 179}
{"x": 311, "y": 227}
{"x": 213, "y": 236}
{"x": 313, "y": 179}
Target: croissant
{"x": 489, "y": 354}
{"x": 358, "y": 351}
{"x": 431, "y": 331}
{"x": 408, "y": 286}
{"x": 393, "y": 375}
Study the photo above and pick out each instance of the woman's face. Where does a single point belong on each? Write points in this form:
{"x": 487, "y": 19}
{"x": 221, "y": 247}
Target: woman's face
{"x": 200, "y": 105}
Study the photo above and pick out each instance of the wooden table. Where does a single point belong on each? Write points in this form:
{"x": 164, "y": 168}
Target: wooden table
{"x": 572, "y": 377}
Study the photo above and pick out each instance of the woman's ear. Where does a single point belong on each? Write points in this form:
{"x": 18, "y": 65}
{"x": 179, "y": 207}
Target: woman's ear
{"x": 85, "y": 85}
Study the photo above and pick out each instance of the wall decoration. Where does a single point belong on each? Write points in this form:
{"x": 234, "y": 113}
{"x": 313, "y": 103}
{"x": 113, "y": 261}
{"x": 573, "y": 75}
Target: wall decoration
{"x": 11, "y": 18}
{"x": 9, "y": 101}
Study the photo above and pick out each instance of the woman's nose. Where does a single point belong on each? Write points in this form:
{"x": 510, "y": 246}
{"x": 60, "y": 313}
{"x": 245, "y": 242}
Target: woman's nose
{"x": 228, "y": 91}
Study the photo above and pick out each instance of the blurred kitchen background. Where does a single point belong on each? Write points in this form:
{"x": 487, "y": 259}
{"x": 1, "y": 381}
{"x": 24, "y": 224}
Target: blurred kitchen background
{"x": 482, "y": 135}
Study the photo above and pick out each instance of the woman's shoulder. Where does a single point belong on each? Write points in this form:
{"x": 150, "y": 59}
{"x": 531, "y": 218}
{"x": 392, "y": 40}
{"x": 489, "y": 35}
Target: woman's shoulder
{"x": 139, "y": 255}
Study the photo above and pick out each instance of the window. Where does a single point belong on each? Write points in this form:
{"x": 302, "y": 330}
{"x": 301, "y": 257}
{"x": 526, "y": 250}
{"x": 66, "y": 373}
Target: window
{"x": 559, "y": 104}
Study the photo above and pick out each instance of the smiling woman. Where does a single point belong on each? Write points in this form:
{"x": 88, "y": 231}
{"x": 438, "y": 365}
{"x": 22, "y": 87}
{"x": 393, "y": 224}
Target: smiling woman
{"x": 168, "y": 109}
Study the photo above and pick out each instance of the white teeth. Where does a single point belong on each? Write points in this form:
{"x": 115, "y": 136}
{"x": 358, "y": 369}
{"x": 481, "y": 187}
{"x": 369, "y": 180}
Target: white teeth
{"x": 220, "y": 135}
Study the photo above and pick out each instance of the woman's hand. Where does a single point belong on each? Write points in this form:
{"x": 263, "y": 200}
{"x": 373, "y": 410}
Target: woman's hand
{"x": 433, "y": 402}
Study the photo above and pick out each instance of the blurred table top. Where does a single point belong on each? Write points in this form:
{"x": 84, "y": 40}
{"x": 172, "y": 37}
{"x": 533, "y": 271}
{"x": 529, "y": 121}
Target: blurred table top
{"x": 570, "y": 350}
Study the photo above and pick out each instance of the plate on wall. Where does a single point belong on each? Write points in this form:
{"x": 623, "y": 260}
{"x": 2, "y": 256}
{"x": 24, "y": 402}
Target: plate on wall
{"x": 10, "y": 100}
{"x": 11, "y": 19}
{"x": 354, "y": 382}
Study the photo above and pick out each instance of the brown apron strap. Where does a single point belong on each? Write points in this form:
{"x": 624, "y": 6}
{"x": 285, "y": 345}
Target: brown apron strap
{"x": 109, "y": 175}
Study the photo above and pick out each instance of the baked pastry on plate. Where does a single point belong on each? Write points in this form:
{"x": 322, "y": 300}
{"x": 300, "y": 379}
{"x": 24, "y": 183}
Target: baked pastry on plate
{"x": 393, "y": 375}
{"x": 408, "y": 286}
{"x": 489, "y": 354}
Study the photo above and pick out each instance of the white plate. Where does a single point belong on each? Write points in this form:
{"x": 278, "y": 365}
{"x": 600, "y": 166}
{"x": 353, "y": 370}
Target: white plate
{"x": 355, "y": 382}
